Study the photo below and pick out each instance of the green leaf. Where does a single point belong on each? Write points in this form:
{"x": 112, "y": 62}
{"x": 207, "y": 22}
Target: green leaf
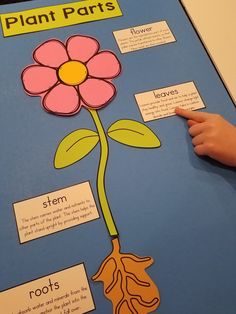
{"x": 133, "y": 133}
{"x": 74, "y": 147}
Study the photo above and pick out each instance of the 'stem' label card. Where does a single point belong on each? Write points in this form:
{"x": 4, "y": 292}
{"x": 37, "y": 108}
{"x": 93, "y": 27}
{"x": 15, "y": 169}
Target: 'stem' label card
{"x": 55, "y": 211}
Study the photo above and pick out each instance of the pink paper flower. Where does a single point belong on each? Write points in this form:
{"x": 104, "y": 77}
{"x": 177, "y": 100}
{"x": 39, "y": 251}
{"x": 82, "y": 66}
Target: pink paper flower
{"x": 73, "y": 75}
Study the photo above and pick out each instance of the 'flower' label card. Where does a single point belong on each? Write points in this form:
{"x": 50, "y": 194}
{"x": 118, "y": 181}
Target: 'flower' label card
{"x": 66, "y": 291}
{"x": 143, "y": 36}
{"x": 55, "y": 211}
{"x": 161, "y": 103}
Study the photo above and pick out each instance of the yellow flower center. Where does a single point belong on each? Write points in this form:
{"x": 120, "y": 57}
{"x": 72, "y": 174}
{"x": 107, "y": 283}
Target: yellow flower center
{"x": 72, "y": 73}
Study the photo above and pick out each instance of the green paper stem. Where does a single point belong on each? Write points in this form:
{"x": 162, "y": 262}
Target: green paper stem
{"x": 101, "y": 175}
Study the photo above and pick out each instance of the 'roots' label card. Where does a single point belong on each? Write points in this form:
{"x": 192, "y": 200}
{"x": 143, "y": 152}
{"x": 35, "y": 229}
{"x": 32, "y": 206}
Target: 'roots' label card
{"x": 66, "y": 291}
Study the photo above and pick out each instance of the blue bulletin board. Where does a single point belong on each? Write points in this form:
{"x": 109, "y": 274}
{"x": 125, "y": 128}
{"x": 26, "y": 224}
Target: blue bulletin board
{"x": 105, "y": 208}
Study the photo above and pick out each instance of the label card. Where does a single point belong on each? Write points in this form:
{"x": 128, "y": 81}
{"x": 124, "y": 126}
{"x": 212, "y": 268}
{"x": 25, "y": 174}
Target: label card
{"x": 143, "y": 36}
{"x": 55, "y": 211}
{"x": 66, "y": 291}
{"x": 161, "y": 103}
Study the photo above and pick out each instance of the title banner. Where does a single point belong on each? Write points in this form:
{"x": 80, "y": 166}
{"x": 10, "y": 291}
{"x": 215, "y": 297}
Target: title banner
{"x": 50, "y": 17}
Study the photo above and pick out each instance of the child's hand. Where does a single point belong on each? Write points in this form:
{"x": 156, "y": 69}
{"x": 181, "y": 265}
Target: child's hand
{"x": 211, "y": 135}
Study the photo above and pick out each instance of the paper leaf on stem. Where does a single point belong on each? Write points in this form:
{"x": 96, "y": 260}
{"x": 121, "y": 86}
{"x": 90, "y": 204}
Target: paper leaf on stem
{"x": 133, "y": 133}
{"x": 74, "y": 147}
{"x": 126, "y": 284}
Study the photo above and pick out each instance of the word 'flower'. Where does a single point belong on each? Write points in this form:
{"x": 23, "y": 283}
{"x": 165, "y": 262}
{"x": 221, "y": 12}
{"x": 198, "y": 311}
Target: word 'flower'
{"x": 73, "y": 75}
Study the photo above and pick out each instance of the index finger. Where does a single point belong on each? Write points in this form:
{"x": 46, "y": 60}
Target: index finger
{"x": 192, "y": 115}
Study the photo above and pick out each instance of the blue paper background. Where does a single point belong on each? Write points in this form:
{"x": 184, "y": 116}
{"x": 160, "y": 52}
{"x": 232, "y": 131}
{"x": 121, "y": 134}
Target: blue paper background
{"x": 167, "y": 202}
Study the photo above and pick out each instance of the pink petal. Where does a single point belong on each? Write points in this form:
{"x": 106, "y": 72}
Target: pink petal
{"x": 96, "y": 93}
{"x": 82, "y": 48}
{"x": 51, "y": 53}
{"x": 104, "y": 65}
{"x": 38, "y": 79}
{"x": 62, "y": 100}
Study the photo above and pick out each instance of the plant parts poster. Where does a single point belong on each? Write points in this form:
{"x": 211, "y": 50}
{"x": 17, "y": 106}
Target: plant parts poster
{"x": 105, "y": 208}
